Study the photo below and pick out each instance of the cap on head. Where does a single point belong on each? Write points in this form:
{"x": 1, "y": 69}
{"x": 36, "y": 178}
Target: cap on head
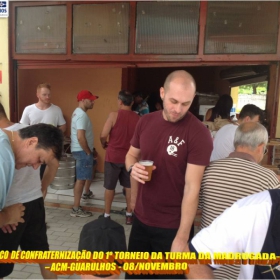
{"x": 102, "y": 234}
{"x": 85, "y": 94}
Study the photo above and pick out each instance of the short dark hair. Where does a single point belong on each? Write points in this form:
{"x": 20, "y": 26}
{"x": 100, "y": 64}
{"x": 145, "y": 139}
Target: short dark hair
{"x": 251, "y": 110}
{"x": 49, "y": 137}
{"x": 138, "y": 93}
{"x": 126, "y": 97}
{"x": 223, "y": 106}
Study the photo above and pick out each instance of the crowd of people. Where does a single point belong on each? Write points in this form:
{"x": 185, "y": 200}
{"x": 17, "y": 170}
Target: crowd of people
{"x": 190, "y": 170}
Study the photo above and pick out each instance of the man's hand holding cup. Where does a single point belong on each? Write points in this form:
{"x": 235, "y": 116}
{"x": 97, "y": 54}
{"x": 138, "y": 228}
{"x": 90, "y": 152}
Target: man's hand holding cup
{"x": 142, "y": 171}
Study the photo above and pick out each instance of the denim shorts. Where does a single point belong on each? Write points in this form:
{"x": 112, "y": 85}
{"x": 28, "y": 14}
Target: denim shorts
{"x": 84, "y": 165}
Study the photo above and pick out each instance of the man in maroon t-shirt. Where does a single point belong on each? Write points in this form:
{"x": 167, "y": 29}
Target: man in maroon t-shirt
{"x": 119, "y": 127}
{"x": 180, "y": 147}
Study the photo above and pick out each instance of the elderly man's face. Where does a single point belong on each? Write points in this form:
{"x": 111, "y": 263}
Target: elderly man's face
{"x": 29, "y": 155}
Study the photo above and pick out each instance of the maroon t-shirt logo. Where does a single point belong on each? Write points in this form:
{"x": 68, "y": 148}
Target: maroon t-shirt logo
{"x": 172, "y": 149}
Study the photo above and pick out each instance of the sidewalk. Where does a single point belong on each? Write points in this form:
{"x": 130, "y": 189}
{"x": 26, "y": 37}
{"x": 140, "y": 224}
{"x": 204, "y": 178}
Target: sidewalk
{"x": 63, "y": 234}
{"x": 64, "y": 231}
{"x": 65, "y": 198}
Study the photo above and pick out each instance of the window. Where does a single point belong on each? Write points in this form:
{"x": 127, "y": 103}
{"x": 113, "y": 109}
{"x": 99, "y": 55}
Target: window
{"x": 250, "y": 94}
{"x": 41, "y": 29}
{"x": 101, "y": 28}
{"x": 241, "y": 27}
{"x": 167, "y": 27}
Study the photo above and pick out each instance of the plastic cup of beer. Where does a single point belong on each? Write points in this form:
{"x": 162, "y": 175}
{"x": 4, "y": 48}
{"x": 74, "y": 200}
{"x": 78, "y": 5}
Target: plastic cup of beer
{"x": 148, "y": 167}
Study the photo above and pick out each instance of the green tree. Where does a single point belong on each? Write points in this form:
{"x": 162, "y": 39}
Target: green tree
{"x": 252, "y": 88}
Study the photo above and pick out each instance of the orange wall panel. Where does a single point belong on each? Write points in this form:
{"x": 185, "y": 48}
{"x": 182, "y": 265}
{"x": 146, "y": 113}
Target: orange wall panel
{"x": 66, "y": 83}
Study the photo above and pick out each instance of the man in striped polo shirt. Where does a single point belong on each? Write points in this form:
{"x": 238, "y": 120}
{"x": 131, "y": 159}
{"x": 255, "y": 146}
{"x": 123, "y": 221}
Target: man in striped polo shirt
{"x": 239, "y": 175}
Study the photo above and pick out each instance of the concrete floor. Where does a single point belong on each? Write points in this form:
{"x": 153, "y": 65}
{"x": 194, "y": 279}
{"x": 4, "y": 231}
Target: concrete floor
{"x": 63, "y": 235}
{"x": 65, "y": 198}
{"x": 64, "y": 231}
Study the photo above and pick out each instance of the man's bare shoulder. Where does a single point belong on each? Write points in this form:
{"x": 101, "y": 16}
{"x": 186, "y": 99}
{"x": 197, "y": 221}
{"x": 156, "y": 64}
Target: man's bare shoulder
{"x": 113, "y": 115}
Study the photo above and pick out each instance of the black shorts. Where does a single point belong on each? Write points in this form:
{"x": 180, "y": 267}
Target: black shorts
{"x": 30, "y": 235}
{"x": 113, "y": 173}
{"x": 144, "y": 238}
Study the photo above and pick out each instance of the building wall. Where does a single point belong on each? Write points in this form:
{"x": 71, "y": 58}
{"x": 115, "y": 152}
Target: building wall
{"x": 66, "y": 83}
{"x": 207, "y": 79}
{"x": 277, "y": 135}
{"x": 4, "y": 64}
{"x": 234, "y": 95}
{"x": 105, "y": 82}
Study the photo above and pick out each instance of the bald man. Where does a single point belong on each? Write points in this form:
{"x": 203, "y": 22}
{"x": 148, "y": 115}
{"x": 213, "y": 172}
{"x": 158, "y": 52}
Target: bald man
{"x": 180, "y": 147}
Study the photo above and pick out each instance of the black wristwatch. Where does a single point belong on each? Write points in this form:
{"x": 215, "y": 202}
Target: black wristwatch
{"x": 130, "y": 169}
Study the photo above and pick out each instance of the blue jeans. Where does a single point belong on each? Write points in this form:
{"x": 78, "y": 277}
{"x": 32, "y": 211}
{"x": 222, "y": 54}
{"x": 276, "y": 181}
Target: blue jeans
{"x": 84, "y": 165}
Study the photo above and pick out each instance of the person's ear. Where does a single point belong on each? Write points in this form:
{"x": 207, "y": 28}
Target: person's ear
{"x": 261, "y": 150}
{"x": 161, "y": 91}
{"x": 33, "y": 141}
{"x": 247, "y": 119}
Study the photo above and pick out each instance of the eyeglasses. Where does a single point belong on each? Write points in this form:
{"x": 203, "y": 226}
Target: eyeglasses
{"x": 265, "y": 151}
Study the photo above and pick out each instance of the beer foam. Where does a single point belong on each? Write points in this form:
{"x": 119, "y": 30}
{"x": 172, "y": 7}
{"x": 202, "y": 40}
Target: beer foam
{"x": 146, "y": 162}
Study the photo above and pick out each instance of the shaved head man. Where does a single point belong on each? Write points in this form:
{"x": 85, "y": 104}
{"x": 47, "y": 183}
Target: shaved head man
{"x": 180, "y": 147}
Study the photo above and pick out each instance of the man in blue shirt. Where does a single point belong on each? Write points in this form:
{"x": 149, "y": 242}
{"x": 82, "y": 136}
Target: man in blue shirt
{"x": 140, "y": 105}
{"x": 30, "y": 146}
{"x": 82, "y": 149}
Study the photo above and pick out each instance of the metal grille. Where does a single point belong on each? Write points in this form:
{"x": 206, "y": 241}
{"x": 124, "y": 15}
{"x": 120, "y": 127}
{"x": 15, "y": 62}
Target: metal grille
{"x": 241, "y": 27}
{"x": 167, "y": 27}
{"x": 41, "y": 29}
{"x": 101, "y": 28}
